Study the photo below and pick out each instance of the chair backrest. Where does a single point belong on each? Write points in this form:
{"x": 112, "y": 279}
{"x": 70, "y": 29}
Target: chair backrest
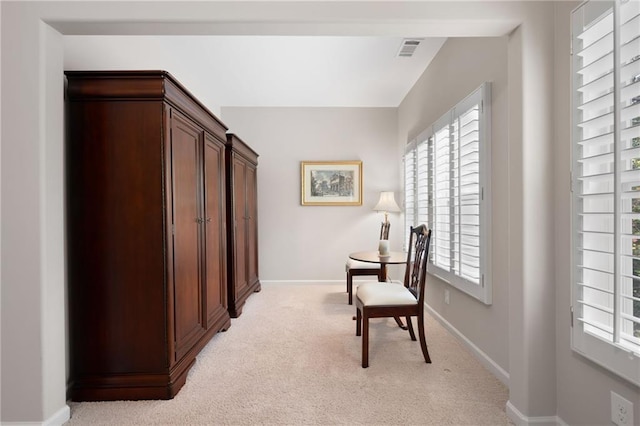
{"x": 417, "y": 255}
{"x": 384, "y": 230}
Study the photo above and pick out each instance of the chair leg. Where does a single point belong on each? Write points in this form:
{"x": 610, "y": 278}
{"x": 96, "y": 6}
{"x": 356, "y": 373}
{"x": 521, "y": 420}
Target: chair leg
{"x": 365, "y": 341}
{"x": 358, "y": 322}
{"x": 423, "y": 342}
{"x": 399, "y": 322}
{"x": 410, "y": 327}
{"x": 350, "y": 287}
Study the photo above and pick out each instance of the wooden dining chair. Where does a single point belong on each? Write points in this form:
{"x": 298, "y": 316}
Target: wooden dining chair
{"x": 358, "y": 268}
{"x": 382, "y": 300}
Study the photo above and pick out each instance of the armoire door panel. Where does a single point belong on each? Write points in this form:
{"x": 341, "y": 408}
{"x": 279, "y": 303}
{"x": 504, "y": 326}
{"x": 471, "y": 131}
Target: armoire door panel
{"x": 240, "y": 222}
{"x": 215, "y": 276}
{"x": 113, "y": 259}
{"x": 252, "y": 237}
{"x": 185, "y": 146}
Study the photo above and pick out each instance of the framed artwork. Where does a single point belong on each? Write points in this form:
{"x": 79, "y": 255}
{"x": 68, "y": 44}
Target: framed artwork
{"x": 331, "y": 183}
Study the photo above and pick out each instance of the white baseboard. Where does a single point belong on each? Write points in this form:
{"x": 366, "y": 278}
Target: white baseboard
{"x": 484, "y": 359}
{"x": 520, "y": 419}
{"x": 59, "y": 418}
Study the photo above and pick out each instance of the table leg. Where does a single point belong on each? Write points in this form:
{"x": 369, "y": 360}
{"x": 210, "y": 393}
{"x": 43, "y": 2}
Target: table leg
{"x": 383, "y": 272}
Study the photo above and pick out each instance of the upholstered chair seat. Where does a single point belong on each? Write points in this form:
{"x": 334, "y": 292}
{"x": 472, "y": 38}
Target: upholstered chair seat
{"x": 357, "y": 264}
{"x": 381, "y": 294}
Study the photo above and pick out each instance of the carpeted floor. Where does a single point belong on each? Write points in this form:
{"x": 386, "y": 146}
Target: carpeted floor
{"x": 292, "y": 358}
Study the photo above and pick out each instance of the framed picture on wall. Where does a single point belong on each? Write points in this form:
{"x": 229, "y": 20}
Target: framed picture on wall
{"x": 331, "y": 183}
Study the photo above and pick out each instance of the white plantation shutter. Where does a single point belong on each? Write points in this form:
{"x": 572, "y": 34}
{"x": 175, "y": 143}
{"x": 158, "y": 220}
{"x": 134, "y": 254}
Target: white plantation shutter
{"x": 629, "y": 160}
{"x": 606, "y": 185}
{"x": 409, "y": 190}
{"x": 466, "y": 168}
{"x": 441, "y": 190}
{"x": 451, "y": 160}
{"x": 423, "y": 179}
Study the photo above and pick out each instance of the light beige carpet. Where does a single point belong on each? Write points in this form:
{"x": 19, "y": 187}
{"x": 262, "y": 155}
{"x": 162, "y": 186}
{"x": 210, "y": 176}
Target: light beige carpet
{"x": 292, "y": 358}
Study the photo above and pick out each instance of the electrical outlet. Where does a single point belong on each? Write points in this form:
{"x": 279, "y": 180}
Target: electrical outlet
{"x": 447, "y": 297}
{"x": 621, "y": 410}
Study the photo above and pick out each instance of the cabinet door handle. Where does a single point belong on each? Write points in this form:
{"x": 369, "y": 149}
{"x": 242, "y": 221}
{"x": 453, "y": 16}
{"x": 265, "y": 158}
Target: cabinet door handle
{"x": 199, "y": 220}
{"x": 208, "y": 219}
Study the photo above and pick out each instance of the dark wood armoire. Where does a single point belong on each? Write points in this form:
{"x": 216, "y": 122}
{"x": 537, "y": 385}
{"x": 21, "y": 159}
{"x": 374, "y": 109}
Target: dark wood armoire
{"x": 146, "y": 239}
{"x": 242, "y": 223}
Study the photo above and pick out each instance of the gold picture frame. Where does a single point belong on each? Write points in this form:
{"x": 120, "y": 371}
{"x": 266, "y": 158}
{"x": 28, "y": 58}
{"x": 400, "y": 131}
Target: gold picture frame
{"x": 331, "y": 183}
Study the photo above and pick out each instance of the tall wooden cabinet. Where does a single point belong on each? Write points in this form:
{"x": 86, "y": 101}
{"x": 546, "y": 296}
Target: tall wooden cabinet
{"x": 146, "y": 238}
{"x": 242, "y": 223}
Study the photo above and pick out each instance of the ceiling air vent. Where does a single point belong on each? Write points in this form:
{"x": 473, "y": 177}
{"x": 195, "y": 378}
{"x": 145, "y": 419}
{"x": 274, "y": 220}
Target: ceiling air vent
{"x": 408, "y": 46}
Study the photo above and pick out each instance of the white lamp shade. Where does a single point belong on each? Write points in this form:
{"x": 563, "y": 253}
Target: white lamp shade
{"x": 387, "y": 203}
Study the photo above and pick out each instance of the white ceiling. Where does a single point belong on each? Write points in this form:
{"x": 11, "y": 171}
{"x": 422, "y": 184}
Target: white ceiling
{"x": 345, "y": 71}
{"x": 279, "y": 53}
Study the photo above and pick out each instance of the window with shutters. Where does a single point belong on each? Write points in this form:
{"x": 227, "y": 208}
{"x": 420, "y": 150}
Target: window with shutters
{"x": 606, "y": 185}
{"x": 447, "y": 188}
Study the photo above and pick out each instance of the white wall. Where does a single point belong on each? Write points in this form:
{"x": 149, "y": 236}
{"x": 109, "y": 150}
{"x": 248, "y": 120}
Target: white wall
{"x": 532, "y": 303}
{"x": 312, "y": 242}
{"x": 52, "y": 224}
{"x": 22, "y": 209}
{"x": 86, "y": 53}
{"x": 446, "y": 82}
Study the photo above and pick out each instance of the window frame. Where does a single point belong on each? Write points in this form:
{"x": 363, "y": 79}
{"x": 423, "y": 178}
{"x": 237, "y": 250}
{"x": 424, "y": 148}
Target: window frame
{"x": 611, "y": 353}
{"x": 481, "y": 96}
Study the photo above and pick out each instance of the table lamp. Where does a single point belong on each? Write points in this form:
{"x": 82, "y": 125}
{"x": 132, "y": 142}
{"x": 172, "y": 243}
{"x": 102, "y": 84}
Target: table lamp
{"x": 386, "y": 204}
